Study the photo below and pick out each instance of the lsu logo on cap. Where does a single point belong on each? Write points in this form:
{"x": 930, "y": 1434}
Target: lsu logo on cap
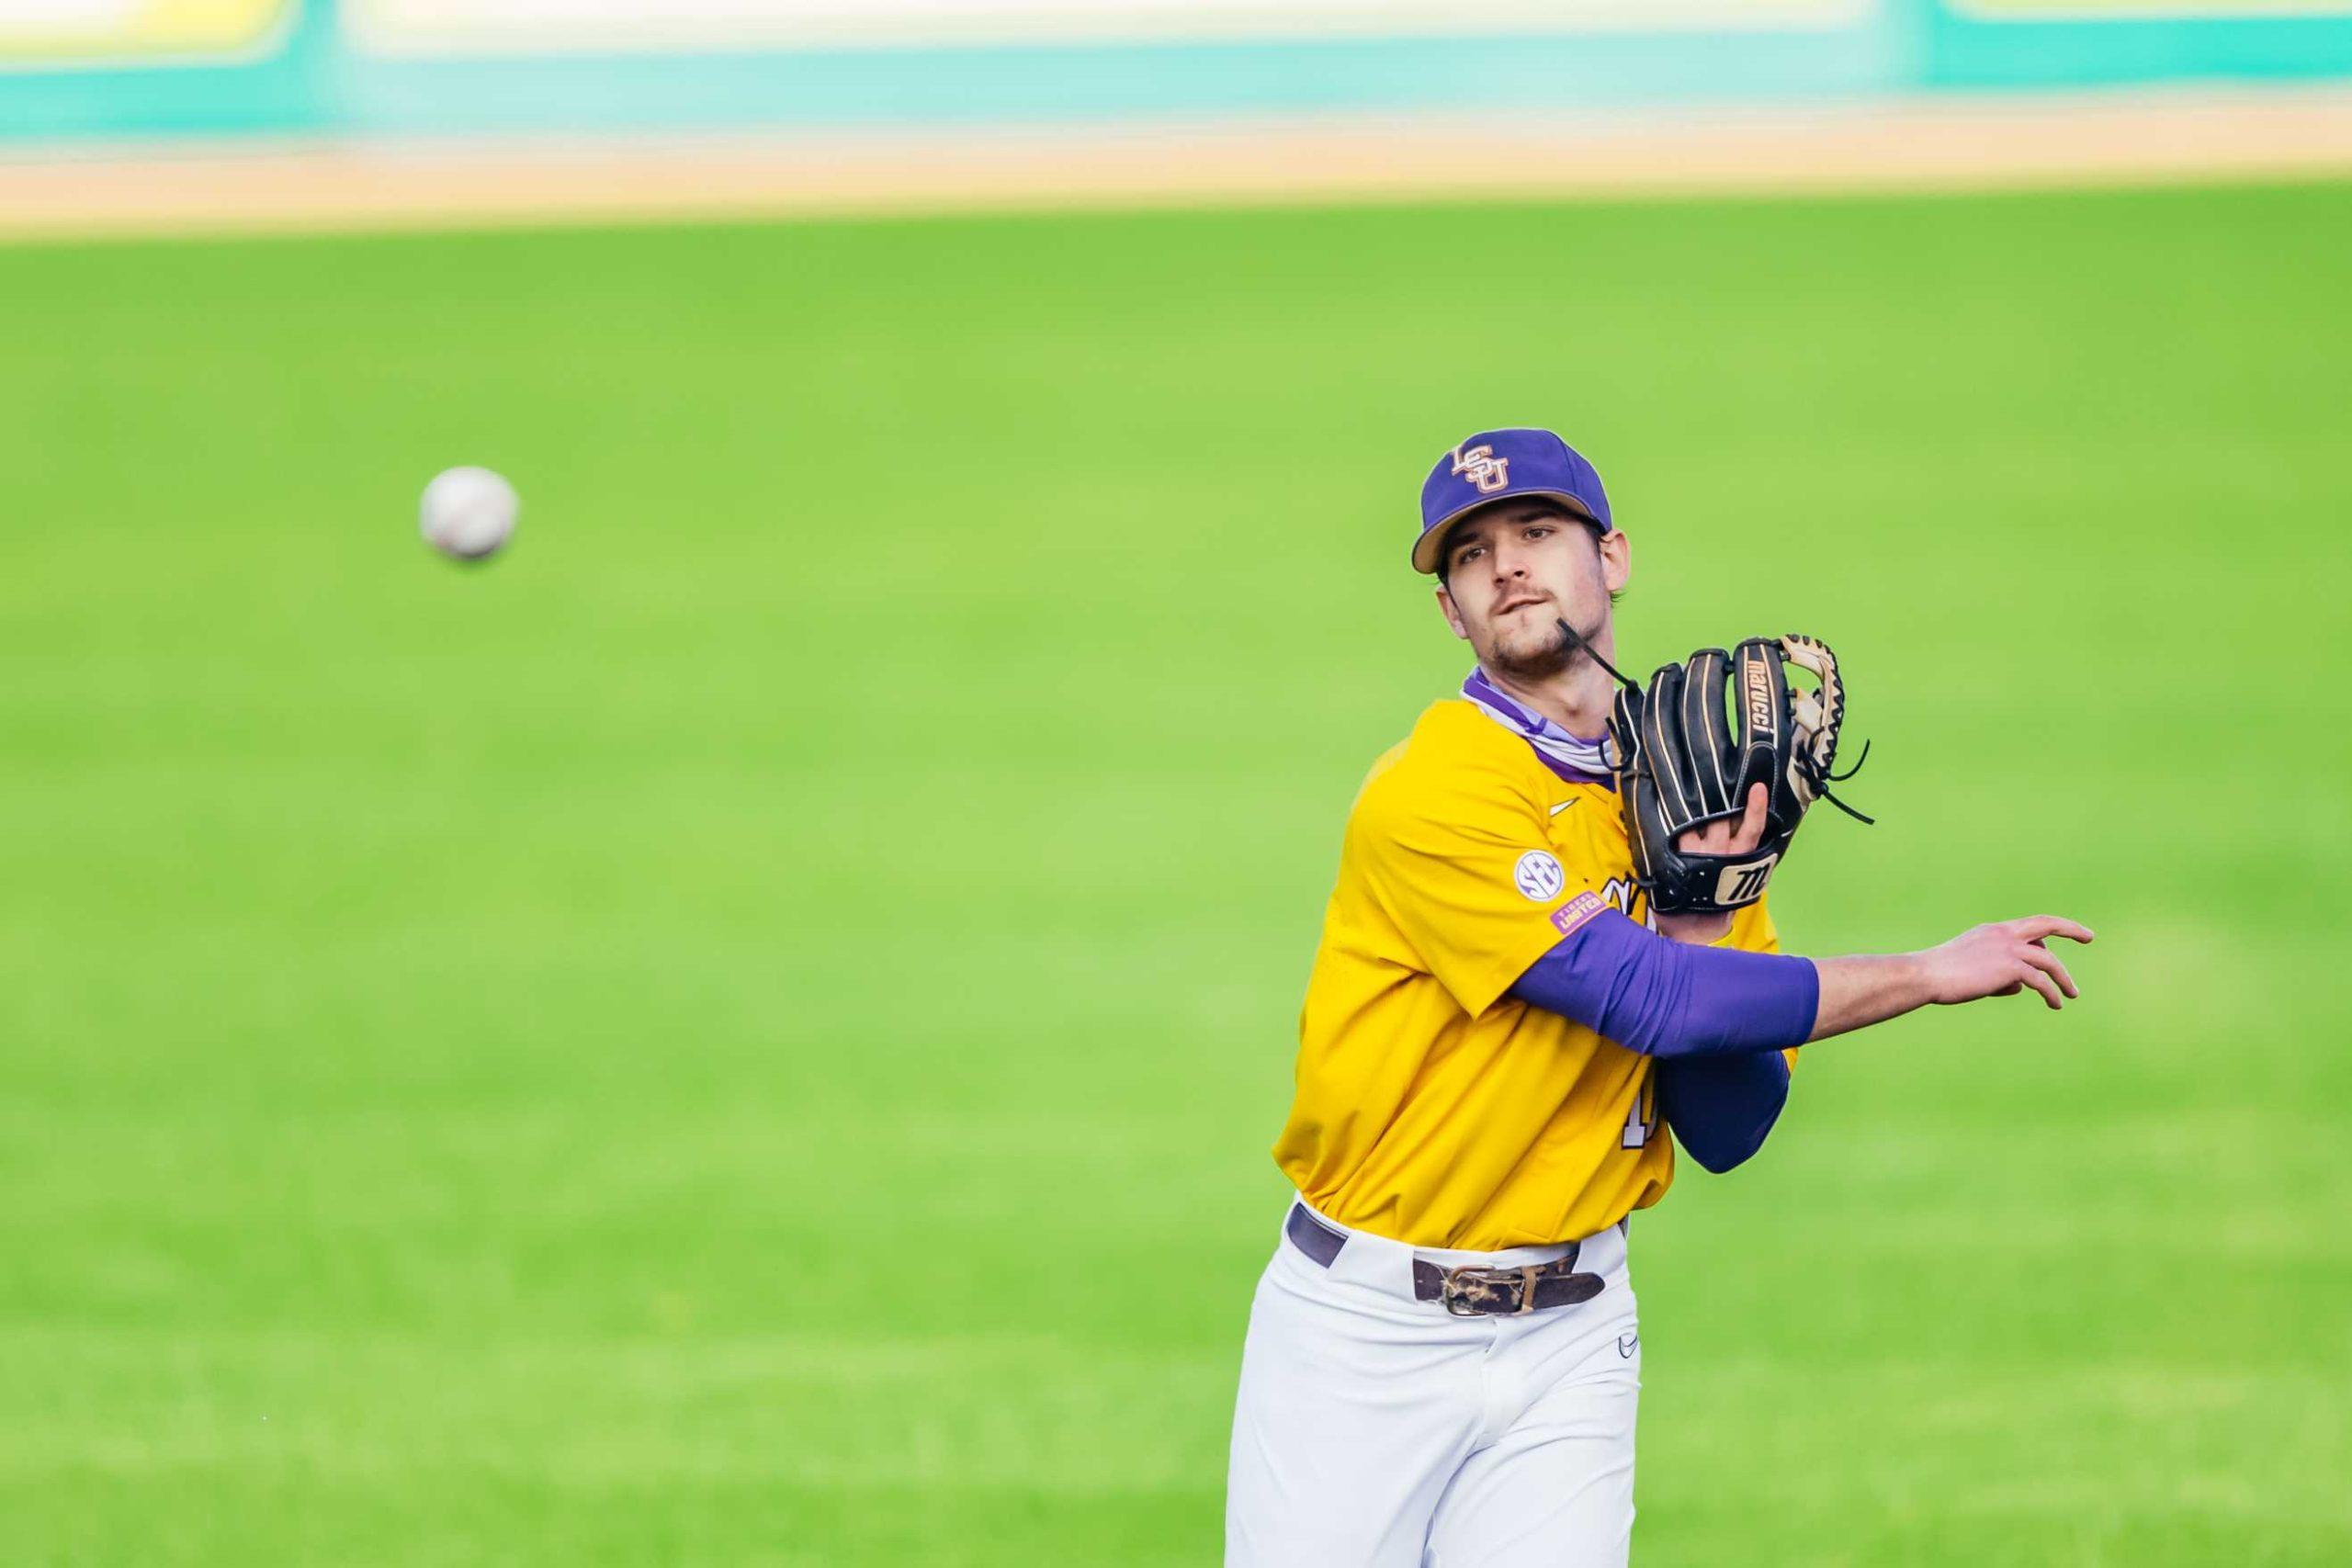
{"x": 1482, "y": 468}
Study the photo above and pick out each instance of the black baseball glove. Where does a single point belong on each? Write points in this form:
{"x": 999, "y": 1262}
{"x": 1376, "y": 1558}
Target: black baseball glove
{"x": 1682, "y": 764}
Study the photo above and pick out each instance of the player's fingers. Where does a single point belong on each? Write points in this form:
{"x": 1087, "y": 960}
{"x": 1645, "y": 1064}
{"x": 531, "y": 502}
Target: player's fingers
{"x": 2033, "y": 928}
{"x": 2041, "y": 958}
{"x": 1751, "y": 820}
{"x": 1726, "y": 837}
{"x": 1715, "y": 838}
{"x": 2043, "y": 983}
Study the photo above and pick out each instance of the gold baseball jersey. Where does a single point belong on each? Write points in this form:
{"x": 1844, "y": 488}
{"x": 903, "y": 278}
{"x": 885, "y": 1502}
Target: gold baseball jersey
{"x": 1432, "y": 1108}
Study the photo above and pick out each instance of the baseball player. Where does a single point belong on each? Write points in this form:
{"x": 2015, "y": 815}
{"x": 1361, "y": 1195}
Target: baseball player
{"x": 1547, "y": 950}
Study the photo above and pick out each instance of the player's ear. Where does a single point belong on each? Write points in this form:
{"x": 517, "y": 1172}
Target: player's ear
{"x": 1616, "y": 561}
{"x": 1452, "y": 615}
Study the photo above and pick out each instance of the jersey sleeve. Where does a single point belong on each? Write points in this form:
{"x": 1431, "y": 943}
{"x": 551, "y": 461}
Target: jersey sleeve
{"x": 1464, "y": 868}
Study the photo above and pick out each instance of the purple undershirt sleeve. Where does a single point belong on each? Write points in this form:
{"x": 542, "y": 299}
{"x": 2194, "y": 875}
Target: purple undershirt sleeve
{"x": 1721, "y": 1108}
{"x": 1671, "y": 999}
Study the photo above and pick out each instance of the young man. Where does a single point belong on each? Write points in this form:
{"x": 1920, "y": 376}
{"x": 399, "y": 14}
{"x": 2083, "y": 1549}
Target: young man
{"x": 1444, "y": 1357}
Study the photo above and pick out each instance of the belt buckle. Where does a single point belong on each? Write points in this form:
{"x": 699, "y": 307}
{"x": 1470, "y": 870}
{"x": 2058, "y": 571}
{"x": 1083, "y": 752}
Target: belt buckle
{"x": 1462, "y": 1289}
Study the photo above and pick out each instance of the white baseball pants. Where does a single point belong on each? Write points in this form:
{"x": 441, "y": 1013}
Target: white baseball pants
{"x": 1373, "y": 1430}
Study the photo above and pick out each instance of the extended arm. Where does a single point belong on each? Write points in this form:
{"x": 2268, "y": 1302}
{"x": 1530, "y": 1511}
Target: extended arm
{"x": 1722, "y": 1107}
{"x": 1671, "y": 998}
{"x": 1996, "y": 960}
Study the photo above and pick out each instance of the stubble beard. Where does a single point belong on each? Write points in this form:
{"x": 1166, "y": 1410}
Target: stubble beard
{"x": 1539, "y": 657}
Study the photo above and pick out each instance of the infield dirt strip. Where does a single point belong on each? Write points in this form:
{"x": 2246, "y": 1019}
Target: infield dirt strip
{"x": 1958, "y": 143}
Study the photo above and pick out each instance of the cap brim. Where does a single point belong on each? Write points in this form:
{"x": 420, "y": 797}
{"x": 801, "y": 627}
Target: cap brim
{"x": 1426, "y": 547}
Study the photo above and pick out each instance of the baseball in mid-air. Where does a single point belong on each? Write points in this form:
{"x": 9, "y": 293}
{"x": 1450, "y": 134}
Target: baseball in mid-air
{"x": 467, "y": 513}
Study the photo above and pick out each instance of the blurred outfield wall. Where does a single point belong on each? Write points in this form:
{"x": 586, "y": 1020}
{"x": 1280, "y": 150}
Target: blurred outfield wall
{"x": 74, "y": 69}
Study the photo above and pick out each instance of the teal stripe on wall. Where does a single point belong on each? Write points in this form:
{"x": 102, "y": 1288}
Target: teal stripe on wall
{"x": 877, "y": 87}
{"x": 286, "y": 89}
{"x": 1962, "y": 50}
{"x": 316, "y": 81}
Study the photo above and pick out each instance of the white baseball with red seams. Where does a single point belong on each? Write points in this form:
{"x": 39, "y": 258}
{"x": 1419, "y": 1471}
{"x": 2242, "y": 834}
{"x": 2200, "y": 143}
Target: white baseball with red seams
{"x": 467, "y": 513}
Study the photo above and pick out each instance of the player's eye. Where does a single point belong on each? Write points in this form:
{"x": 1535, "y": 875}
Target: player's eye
{"x": 1539, "y": 531}
{"x": 1465, "y": 553}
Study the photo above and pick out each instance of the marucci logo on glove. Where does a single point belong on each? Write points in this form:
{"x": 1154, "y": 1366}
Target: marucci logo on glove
{"x": 1745, "y": 884}
{"x": 1760, "y": 696}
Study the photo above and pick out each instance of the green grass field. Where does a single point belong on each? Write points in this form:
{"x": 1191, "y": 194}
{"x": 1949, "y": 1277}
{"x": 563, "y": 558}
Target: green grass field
{"x": 747, "y": 1031}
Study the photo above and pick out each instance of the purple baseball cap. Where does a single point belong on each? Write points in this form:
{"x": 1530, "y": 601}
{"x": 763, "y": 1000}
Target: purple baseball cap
{"x": 1497, "y": 464}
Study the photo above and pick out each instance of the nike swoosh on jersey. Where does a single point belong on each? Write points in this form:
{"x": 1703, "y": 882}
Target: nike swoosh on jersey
{"x": 1563, "y": 805}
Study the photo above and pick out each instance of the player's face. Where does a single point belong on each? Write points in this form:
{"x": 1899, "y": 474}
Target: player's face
{"x": 1515, "y": 570}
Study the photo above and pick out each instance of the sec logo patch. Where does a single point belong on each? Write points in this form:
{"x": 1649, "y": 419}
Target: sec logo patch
{"x": 1539, "y": 876}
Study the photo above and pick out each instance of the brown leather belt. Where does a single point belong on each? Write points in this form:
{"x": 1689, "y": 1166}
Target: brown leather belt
{"x": 1466, "y": 1290}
